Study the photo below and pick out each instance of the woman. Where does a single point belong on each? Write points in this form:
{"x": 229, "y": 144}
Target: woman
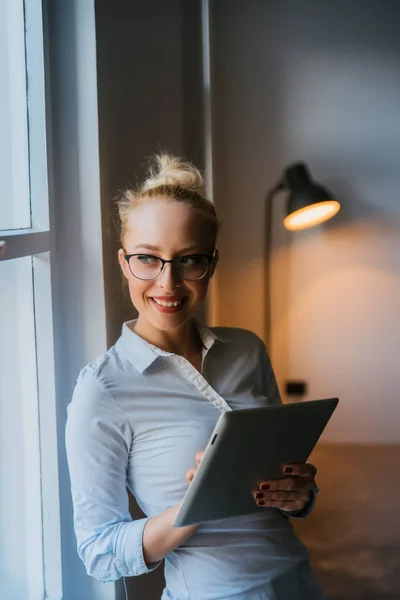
{"x": 141, "y": 413}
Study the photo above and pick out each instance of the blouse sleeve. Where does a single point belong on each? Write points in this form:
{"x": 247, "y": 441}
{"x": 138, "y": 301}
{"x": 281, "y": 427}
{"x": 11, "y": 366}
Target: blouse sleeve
{"x": 269, "y": 384}
{"x": 98, "y": 440}
{"x": 271, "y": 391}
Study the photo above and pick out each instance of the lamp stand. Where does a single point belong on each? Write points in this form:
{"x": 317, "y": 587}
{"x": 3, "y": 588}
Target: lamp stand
{"x": 268, "y": 213}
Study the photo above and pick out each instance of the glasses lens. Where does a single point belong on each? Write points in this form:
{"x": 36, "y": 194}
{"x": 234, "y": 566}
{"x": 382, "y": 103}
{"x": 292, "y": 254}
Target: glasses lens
{"x": 143, "y": 266}
{"x": 192, "y": 267}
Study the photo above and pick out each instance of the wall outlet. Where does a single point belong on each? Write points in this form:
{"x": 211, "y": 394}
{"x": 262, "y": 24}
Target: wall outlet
{"x": 296, "y": 388}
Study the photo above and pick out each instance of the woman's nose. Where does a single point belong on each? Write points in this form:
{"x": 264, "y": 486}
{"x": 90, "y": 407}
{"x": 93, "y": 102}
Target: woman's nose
{"x": 169, "y": 278}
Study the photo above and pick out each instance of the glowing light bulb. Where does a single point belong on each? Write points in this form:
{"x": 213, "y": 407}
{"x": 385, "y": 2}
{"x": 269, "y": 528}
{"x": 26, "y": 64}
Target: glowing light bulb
{"x": 311, "y": 215}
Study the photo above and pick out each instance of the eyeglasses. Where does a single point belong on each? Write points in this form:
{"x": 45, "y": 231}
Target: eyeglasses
{"x": 191, "y": 267}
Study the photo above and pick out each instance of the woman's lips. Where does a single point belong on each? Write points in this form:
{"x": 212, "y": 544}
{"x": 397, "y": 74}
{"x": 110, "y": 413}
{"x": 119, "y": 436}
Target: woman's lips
{"x": 166, "y": 300}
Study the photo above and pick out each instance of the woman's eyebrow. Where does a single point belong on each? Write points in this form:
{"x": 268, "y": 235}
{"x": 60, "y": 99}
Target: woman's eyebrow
{"x": 157, "y": 249}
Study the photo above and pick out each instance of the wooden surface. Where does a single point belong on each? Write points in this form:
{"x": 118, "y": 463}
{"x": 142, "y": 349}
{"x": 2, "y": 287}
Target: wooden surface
{"x": 353, "y": 534}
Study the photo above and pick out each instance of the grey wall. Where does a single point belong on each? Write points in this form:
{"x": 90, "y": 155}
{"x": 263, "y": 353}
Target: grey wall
{"x": 318, "y": 82}
{"x": 150, "y": 98}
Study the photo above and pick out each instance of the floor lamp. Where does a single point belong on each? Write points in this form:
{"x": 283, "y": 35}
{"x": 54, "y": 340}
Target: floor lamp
{"x": 308, "y": 204}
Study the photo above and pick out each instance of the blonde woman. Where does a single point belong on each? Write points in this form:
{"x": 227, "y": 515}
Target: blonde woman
{"x": 142, "y": 412}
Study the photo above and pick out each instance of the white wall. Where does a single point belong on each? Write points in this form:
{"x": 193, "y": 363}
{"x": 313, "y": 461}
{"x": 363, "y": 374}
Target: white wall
{"x": 318, "y": 82}
{"x": 79, "y": 306}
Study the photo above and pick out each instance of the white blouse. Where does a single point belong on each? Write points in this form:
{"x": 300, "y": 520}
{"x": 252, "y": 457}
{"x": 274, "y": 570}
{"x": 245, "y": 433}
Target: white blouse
{"x": 137, "y": 418}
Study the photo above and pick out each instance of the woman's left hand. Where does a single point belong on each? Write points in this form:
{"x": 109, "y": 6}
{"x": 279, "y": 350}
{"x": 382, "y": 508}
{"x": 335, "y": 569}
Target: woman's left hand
{"x": 291, "y": 493}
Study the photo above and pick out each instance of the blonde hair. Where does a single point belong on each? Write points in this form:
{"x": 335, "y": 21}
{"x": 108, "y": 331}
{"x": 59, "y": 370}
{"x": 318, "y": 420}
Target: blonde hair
{"x": 173, "y": 179}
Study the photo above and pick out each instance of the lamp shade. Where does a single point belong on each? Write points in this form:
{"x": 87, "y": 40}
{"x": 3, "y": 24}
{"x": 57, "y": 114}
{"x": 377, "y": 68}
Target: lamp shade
{"x": 308, "y": 203}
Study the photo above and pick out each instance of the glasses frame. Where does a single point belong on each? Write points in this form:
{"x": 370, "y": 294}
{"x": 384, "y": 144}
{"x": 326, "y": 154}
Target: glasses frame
{"x": 209, "y": 257}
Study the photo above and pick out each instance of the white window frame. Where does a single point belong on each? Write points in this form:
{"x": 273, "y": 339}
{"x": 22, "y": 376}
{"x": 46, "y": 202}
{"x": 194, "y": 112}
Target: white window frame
{"x": 44, "y": 573}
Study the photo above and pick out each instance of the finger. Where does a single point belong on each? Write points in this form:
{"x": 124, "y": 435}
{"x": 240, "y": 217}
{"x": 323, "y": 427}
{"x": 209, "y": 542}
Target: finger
{"x": 190, "y": 474}
{"x": 199, "y": 456}
{"x": 296, "y": 505}
{"x": 277, "y": 495}
{"x": 294, "y": 496}
{"x": 284, "y": 504}
{"x": 287, "y": 483}
{"x": 301, "y": 470}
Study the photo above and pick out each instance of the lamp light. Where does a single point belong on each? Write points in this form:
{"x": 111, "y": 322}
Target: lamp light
{"x": 308, "y": 204}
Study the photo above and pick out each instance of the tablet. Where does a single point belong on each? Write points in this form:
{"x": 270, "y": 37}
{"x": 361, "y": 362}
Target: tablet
{"x": 245, "y": 448}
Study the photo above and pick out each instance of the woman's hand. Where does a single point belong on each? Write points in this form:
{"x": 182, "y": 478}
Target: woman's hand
{"x": 291, "y": 493}
{"x": 191, "y": 473}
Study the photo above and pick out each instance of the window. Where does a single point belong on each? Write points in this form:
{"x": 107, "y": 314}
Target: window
{"x": 14, "y": 172}
{"x": 30, "y": 564}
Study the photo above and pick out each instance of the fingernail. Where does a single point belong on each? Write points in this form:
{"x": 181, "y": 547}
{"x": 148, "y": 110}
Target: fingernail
{"x": 258, "y": 495}
{"x": 261, "y": 503}
{"x": 288, "y": 470}
{"x": 264, "y": 487}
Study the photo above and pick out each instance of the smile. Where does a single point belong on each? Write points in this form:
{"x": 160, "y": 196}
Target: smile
{"x": 164, "y": 303}
{"x": 168, "y": 306}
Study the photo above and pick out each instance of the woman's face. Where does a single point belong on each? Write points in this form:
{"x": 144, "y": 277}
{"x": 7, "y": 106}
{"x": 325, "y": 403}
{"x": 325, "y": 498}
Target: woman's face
{"x": 167, "y": 229}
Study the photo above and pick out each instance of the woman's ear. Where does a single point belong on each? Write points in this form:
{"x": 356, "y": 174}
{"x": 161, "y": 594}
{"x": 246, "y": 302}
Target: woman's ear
{"x": 214, "y": 262}
{"x": 123, "y": 264}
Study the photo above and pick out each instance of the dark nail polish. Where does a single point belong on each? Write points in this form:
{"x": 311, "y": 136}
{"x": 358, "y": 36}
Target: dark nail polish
{"x": 288, "y": 470}
{"x": 259, "y": 495}
{"x": 264, "y": 487}
{"x": 261, "y": 503}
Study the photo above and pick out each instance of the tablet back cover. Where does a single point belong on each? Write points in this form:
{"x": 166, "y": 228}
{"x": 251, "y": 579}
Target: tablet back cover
{"x": 246, "y": 448}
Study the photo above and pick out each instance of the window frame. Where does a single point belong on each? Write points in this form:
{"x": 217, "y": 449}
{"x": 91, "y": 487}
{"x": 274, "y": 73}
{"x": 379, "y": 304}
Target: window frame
{"x": 43, "y": 540}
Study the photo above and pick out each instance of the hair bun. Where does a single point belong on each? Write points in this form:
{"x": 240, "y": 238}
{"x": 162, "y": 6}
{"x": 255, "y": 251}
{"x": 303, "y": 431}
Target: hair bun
{"x": 172, "y": 179}
{"x": 167, "y": 170}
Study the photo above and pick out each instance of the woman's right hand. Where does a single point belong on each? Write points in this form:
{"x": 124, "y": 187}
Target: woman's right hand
{"x": 160, "y": 537}
{"x": 192, "y": 472}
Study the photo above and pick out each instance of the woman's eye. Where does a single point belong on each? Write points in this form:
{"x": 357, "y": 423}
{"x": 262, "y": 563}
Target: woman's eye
{"x": 146, "y": 260}
{"x": 190, "y": 261}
